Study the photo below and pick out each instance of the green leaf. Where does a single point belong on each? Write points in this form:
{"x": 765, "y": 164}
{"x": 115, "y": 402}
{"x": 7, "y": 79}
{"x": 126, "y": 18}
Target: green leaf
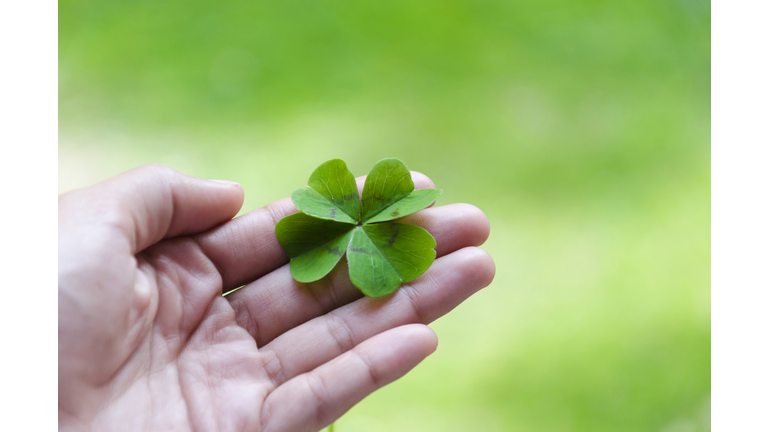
{"x": 310, "y": 202}
{"x": 368, "y": 269}
{"x": 413, "y": 202}
{"x": 409, "y": 249}
{"x": 332, "y": 193}
{"x": 300, "y": 233}
{"x": 388, "y": 182}
{"x": 382, "y": 256}
{"x": 315, "y": 264}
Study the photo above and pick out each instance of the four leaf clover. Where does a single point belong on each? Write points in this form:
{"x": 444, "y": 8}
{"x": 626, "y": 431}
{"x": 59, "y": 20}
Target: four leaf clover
{"x": 333, "y": 221}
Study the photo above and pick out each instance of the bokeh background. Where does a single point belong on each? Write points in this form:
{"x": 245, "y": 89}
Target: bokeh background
{"x": 582, "y": 128}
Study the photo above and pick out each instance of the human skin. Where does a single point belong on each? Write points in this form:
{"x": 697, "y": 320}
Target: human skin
{"x": 147, "y": 341}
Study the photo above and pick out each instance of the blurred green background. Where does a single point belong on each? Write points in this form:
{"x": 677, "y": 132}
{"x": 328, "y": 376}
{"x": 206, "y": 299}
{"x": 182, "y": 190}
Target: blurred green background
{"x": 582, "y": 128}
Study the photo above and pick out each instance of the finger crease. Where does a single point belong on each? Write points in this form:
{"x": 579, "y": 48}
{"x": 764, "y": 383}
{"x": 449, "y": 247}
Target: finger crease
{"x": 332, "y": 290}
{"x": 315, "y": 295}
{"x": 174, "y": 206}
{"x": 271, "y": 214}
{"x": 409, "y": 292}
{"x": 273, "y": 367}
{"x": 336, "y": 324}
{"x": 196, "y": 241}
{"x": 317, "y": 386}
{"x": 369, "y": 367}
{"x": 246, "y": 320}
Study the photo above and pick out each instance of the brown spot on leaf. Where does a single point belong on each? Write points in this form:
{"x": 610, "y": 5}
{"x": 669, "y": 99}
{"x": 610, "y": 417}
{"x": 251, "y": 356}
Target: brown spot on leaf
{"x": 393, "y": 237}
{"x": 334, "y": 251}
{"x": 360, "y": 250}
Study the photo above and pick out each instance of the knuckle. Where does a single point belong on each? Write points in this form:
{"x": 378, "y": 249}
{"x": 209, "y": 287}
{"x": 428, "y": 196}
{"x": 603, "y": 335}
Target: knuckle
{"x": 319, "y": 391}
{"x": 340, "y": 331}
{"x": 158, "y": 170}
{"x": 368, "y": 365}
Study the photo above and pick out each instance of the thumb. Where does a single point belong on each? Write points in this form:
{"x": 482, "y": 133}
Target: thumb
{"x": 100, "y": 229}
{"x": 153, "y": 202}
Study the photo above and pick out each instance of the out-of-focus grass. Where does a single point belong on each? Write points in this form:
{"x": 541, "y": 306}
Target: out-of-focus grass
{"x": 581, "y": 128}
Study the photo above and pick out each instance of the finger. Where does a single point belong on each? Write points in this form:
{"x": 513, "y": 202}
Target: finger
{"x": 315, "y": 399}
{"x": 247, "y": 248}
{"x": 150, "y": 203}
{"x": 450, "y": 281}
{"x": 277, "y": 303}
{"x": 453, "y": 226}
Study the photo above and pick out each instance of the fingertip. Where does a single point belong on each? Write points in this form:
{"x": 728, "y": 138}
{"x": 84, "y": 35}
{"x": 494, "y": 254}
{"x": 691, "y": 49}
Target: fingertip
{"x": 481, "y": 226}
{"x": 423, "y": 335}
{"x": 482, "y": 265}
{"x": 421, "y": 181}
{"x": 233, "y": 193}
{"x": 360, "y": 183}
{"x": 222, "y": 197}
{"x": 431, "y": 339}
{"x": 400, "y": 349}
{"x": 231, "y": 189}
{"x": 454, "y": 226}
{"x": 193, "y": 204}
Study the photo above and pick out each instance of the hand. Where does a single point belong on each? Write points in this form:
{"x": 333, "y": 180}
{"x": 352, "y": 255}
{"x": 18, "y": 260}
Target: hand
{"x": 147, "y": 341}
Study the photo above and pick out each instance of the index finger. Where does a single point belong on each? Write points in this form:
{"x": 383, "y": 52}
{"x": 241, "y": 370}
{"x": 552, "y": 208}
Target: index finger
{"x": 246, "y": 248}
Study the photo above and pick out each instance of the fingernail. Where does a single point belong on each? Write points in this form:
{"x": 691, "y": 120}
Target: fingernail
{"x": 226, "y": 182}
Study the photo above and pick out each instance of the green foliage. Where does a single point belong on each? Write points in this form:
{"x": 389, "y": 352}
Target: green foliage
{"x": 332, "y": 194}
{"x": 381, "y": 254}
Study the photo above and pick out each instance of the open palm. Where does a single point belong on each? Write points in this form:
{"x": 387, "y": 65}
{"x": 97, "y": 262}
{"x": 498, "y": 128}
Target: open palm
{"x": 147, "y": 342}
